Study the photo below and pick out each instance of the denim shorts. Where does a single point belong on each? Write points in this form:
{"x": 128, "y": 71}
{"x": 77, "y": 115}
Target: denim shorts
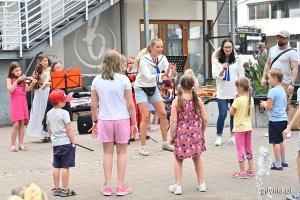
{"x": 142, "y": 97}
{"x": 64, "y": 156}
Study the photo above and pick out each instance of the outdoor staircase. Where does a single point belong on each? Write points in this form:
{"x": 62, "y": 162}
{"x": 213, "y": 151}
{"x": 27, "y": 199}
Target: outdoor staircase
{"x": 30, "y": 26}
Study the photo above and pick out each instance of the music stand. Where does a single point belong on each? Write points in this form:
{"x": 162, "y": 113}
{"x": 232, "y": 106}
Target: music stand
{"x": 66, "y": 79}
{"x": 179, "y": 61}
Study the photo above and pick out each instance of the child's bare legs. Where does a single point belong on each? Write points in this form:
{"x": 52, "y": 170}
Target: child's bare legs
{"x": 155, "y": 127}
{"x": 65, "y": 178}
{"x": 298, "y": 165}
{"x": 277, "y": 152}
{"x": 282, "y": 152}
{"x": 178, "y": 170}
{"x": 14, "y": 133}
{"x": 250, "y": 164}
{"x": 108, "y": 152}
{"x": 56, "y": 177}
{"x": 121, "y": 163}
{"x": 21, "y": 132}
{"x": 242, "y": 166}
{"x": 198, "y": 168}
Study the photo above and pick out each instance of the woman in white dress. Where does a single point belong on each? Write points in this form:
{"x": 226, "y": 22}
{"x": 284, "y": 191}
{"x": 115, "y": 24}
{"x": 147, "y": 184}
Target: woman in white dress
{"x": 39, "y": 104}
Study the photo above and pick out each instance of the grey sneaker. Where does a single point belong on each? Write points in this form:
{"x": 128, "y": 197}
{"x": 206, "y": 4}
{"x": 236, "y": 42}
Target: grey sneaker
{"x": 293, "y": 196}
{"x": 176, "y": 189}
{"x": 67, "y": 192}
{"x": 56, "y": 191}
{"x": 167, "y": 147}
{"x": 143, "y": 151}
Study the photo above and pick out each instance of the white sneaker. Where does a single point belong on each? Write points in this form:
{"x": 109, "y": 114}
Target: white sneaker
{"x": 167, "y": 147}
{"x": 231, "y": 140}
{"x": 289, "y": 134}
{"x": 176, "y": 189}
{"x": 201, "y": 187}
{"x": 143, "y": 151}
{"x": 266, "y": 134}
{"x": 218, "y": 141}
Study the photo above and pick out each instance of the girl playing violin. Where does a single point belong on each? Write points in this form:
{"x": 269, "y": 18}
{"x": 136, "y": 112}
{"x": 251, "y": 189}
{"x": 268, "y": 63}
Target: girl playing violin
{"x": 41, "y": 93}
{"x": 15, "y": 83}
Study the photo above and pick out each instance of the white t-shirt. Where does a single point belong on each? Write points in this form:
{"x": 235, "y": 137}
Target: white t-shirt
{"x": 112, "y": 103}
{"x": 227, "y": 89}
{"x": 147, "y": 75}
{"x": 57, "y": 119}
{"x": 283, "y": 62}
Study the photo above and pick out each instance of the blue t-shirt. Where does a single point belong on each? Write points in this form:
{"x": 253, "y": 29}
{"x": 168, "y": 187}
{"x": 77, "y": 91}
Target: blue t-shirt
{"x": 278, "y": 111}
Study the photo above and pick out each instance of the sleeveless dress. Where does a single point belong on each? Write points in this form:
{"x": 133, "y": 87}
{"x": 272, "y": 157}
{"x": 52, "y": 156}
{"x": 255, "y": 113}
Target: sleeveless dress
{"x": 189, "y": 139}
{"x": 18, "y": 104}
{"x": 38, "y": 108}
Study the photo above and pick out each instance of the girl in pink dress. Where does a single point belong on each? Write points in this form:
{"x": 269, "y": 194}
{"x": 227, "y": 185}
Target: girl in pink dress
{"x": 17, "y": 88}
{"x": 188, "y": 124}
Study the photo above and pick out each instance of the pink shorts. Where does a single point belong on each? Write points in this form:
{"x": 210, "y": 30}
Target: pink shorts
{"x": 114, "y": 130}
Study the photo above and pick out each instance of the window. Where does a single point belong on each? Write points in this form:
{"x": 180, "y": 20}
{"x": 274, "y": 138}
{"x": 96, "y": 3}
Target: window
{"x": 262, "y": 11}
{"x": 274, "y": 11}
{"x": 251, "y": 12}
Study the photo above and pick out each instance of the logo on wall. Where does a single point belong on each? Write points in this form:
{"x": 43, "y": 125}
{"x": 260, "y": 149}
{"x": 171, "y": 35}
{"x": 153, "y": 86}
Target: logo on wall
{"x": 90, "y": 43}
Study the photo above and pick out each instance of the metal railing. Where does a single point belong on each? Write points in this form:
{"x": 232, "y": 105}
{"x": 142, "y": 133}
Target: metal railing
{"x": 26, "y": 22}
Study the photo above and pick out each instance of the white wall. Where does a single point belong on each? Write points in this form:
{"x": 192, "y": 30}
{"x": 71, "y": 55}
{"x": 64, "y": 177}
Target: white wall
{"x": 162, "y": 10}
{"x": 56, "y": 51}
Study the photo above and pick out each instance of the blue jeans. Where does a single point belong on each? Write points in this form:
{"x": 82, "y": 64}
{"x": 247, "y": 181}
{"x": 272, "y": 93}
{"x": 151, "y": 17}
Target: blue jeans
{"x": 223, "y": 107}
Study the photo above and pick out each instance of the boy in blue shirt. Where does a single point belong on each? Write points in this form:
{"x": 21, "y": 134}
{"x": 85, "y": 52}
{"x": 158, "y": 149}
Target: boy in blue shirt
{"x": 278, "y": 119}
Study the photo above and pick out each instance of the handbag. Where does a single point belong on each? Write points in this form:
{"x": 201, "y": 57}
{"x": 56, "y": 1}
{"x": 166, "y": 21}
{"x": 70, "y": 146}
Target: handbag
{"x": 149, "y": 90}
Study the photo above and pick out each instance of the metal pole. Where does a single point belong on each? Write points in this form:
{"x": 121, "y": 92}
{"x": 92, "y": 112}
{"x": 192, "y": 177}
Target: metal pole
{"x": 86, "y": 10}
{"x": 146, "y": 20}
{"x": 204, "y": 36}
{"x": 20, "y": 28}
{"x": 50, "y": 23}
{"x": 232, "y": 20}
{"x": 26, "y": 22}
{"x": 122, "y": 26}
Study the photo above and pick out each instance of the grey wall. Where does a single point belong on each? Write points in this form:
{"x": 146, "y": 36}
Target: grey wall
{"x": 4, "y": 102}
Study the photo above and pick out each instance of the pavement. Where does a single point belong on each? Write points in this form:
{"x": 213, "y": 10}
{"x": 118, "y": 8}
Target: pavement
{"x": 149, "y": 176}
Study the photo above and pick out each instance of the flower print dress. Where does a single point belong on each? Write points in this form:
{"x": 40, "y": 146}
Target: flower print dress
{"x": 189, "y": 139}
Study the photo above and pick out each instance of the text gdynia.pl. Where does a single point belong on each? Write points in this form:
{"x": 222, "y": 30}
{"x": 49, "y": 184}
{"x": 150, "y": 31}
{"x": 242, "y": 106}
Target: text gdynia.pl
{"x": 271, "y": 191}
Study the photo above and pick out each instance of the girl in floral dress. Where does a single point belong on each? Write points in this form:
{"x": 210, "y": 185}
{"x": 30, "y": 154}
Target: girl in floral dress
{"x": 188, "y": 124}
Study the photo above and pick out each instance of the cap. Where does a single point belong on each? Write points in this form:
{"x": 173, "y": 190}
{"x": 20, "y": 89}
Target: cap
{"x": 57, "y": 96}
{"x": 261, "y": 45}
{"x": 284, "y": 33}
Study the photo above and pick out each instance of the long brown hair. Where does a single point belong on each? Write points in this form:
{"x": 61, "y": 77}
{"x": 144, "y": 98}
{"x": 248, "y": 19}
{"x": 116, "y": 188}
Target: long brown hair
{"x": 12, "y": 66}
{"x": 187, "y": 83}
{"x": 39, "y": 68}
{"x": 244, "y": 83}
{"x": 111, "y": 65}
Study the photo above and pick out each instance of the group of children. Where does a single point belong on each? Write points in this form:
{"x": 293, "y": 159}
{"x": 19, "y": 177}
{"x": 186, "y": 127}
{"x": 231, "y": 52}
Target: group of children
{"x": 187, "y": 127}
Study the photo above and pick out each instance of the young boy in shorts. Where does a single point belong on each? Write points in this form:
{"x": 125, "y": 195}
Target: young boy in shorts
{"x": 278, "y": 119}
{"x": 63, "y": 142}
{"x": 285, "y": 132}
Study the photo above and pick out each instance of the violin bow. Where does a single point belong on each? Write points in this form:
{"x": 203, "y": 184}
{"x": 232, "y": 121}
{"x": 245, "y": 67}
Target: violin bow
{"x": 30, "y": 64}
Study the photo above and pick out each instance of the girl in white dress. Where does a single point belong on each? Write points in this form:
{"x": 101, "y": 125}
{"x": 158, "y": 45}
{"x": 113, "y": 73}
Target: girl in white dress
{"x": 41, "y": 93}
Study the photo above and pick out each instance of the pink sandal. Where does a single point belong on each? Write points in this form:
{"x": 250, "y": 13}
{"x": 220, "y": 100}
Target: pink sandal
{"x": 22, "y": 148}
{"x": 13, "y": 148}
